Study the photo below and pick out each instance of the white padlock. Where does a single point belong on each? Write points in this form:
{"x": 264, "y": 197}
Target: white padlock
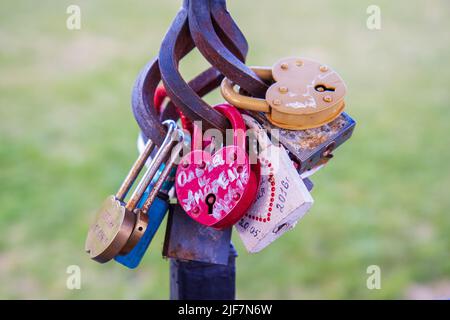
{"x": 282, "y": 198}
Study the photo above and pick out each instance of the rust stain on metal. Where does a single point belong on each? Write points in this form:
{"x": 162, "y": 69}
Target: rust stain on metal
{"x": 181, "y": 253}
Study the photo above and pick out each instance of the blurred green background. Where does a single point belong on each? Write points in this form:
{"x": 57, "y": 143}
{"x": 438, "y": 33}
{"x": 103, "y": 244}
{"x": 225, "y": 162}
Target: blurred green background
{"x": 68, "y": 138}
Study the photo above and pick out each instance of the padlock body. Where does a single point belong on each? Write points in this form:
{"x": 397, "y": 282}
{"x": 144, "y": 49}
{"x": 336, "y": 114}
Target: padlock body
{"x": 110, "y": 231}
{"x": 156, "y": 215}
{"x": 282, "y": 199}
{"x": 216, "y": 190}
{"x": 250, "y": 196}
{"x": 282, "y": 119}
{"x": 140, "y": 226}
{"x": 306, "y": 94}
{"x": 309, "y": 148}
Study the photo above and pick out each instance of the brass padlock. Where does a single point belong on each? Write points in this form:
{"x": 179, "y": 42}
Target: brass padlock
{"x": 304, "y": 94}
{"x": 119, "y": 226}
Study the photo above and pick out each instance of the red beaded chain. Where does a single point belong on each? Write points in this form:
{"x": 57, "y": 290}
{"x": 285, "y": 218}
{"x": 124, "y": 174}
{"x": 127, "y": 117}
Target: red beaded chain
{"x": 266, "y": 163}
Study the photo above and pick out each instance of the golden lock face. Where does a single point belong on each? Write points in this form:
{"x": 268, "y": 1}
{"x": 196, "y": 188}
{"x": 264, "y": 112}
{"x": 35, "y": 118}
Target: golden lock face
{"x": 110, "y": 231}
{"x": 304, "y": 86}
{"x": 306, "y": 93}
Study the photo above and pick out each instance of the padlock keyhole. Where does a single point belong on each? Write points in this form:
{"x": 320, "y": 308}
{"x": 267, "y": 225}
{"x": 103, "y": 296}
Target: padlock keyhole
{"x": 210, "y": 200}
{"x": 323, "y": 88}
{"x": 280, "y": 227}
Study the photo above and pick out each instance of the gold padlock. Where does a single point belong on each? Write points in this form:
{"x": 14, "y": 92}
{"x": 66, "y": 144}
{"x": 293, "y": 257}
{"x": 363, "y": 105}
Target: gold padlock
{"x": 305, "y": 94}
{"x": 119, "y": 226}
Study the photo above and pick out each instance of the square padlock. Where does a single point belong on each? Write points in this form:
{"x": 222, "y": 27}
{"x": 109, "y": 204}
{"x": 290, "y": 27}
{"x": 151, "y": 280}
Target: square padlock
{"x": 311, "y": 147}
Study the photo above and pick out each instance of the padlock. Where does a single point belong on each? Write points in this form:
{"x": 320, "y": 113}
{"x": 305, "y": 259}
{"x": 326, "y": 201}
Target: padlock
{"x": 216, "y": 190}
{"x": 160, "y": 205}
{"x": 282, "y": 198}
{"x": 298, "y": 113}
{"x": 305, "y": 94}
{"x": 310, "y": 149}
{"x": 119, "y": 226}
{"x": 156, "y": 214}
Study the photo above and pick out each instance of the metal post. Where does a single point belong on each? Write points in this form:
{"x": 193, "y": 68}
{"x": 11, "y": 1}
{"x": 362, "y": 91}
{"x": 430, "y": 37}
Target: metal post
{"x": 192, "y": 280}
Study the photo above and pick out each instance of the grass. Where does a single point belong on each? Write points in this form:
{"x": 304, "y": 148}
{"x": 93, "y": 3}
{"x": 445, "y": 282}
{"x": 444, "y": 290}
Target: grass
{"x": 68, "y": 138}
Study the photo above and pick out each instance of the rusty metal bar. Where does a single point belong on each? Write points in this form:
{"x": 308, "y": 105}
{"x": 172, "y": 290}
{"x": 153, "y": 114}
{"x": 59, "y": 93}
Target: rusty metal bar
{"x": 135, "y": 170}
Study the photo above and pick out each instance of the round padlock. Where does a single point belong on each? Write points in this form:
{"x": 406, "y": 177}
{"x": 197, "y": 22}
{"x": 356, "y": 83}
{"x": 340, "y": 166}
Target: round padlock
{"x": 305, "y": 94}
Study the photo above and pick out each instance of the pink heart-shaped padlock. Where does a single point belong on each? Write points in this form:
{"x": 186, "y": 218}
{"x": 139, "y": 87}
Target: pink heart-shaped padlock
{"x": 217, "y": 189}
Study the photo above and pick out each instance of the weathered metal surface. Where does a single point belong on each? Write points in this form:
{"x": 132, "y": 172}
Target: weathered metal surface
{"x": 213, "y": 49}
{"x": 312, "y": 147}
{"x": 149, "y": 77}
{"x": 188, "y": 240}
{"x": 172, "y": 49}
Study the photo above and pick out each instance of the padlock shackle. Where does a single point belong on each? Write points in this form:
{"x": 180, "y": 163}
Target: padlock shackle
{"x": 197, "y": 138}
{"x": 156, "y": 162}
{"x": 237, "y": 123}
{"x": 135, "y": 170}
{"x": 175, "y": 153}
{"x": 261, "y": 134}
{"x": 160, "y": 95}
{"x": 168, "y": 184}
{"x": 229, "y": 93}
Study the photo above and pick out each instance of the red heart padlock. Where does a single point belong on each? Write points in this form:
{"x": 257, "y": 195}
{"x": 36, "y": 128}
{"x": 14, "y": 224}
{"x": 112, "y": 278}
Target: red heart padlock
{"x": 216, "y": 190}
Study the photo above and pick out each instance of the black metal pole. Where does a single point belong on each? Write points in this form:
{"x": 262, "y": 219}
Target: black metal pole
{"x": 192, "y": 280}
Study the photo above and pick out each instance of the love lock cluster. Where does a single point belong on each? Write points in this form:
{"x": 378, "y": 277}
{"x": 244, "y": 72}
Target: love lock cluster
{"x": 294, "y": 110}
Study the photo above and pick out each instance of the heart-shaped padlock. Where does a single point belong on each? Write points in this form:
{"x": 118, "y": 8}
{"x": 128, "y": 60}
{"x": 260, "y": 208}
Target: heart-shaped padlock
{"x": 217, "y": 189}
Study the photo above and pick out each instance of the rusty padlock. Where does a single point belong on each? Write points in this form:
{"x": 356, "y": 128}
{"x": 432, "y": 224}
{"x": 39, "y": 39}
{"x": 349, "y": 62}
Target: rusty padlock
{"x": 282, "y": 197}
{"x": 119, "y": 226}
{"x": 305, "y": 94}
{"x": 217, "y": 189}
{"x": 310, "y": 149}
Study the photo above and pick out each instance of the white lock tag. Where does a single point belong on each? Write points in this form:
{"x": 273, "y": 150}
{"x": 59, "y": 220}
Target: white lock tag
{"x": 282, "y": 198}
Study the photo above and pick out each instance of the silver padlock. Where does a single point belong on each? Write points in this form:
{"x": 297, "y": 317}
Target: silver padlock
{"x": 310, "y": 149}
{"x": 119, "y": 226}
{"x": 282, "y": 198}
